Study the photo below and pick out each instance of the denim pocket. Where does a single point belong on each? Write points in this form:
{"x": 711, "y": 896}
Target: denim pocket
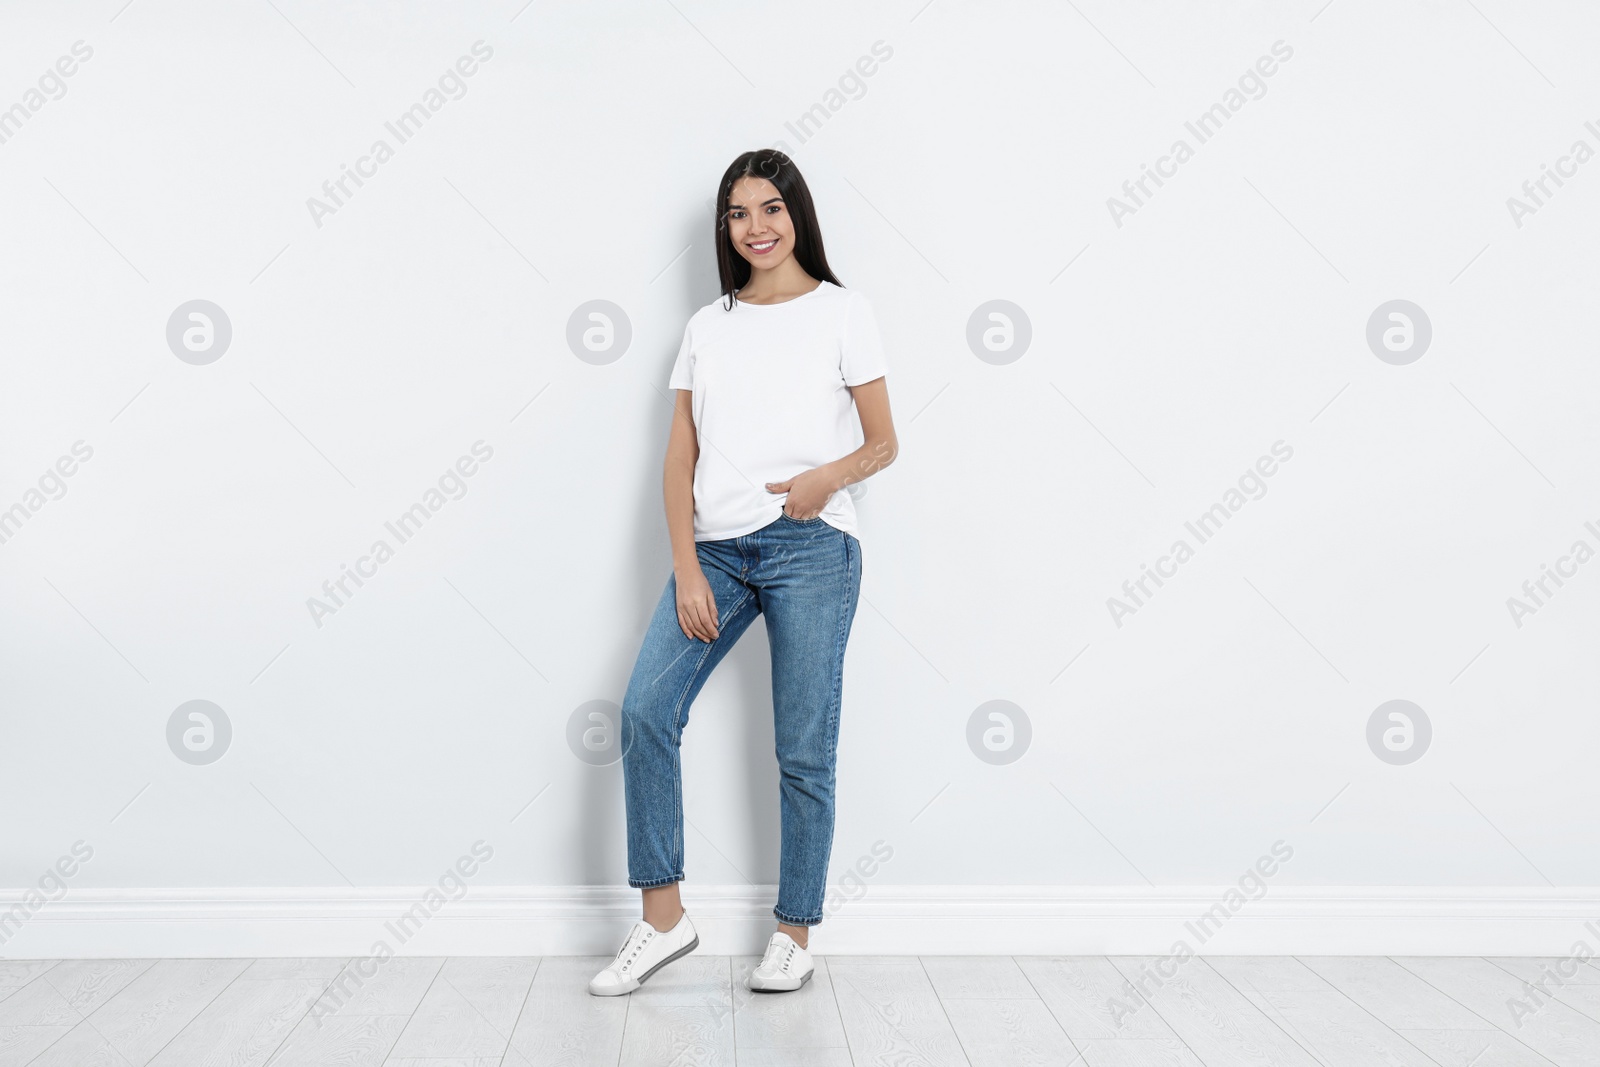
{"x": 799, "y": 522}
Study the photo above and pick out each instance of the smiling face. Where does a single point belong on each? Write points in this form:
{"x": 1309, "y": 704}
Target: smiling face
{"x": 759, "y": 223}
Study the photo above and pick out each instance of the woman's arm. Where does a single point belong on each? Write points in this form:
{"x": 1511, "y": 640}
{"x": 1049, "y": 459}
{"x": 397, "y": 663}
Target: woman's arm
{"x": 697, "y": 607}
{"x": 683, "y": 450}
{"x": 809, "y": 492}
{"x": 880, "y": 446}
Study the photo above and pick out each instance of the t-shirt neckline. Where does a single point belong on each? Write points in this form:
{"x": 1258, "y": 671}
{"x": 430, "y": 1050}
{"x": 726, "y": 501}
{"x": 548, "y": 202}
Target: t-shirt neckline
{"x": 792, "y": 300}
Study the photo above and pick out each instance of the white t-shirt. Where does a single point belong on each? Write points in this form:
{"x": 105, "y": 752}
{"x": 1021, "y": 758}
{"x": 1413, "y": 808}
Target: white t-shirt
{"x": 770, "y": 401}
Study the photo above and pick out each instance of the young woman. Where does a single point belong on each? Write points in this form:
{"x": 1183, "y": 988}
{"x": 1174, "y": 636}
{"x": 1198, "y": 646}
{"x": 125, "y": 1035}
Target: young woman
{"x": 764, "y": 441}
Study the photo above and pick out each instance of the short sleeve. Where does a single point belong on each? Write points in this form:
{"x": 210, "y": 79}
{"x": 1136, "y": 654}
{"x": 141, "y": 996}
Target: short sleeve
{"x": 861, "y": 348}
{"x": 683, "y": 368}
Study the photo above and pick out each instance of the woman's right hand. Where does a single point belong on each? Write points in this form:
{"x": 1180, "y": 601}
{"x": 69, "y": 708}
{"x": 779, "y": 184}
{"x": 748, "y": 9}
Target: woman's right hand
{"x": 697, "y": 608}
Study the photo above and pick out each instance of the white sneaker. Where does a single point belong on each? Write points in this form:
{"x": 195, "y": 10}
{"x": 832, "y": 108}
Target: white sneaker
{"x": 645, "y": 952}
{"x": 785, "y": 966}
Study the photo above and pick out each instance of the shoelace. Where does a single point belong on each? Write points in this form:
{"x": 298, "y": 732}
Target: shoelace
{"x": 772, "y": 953}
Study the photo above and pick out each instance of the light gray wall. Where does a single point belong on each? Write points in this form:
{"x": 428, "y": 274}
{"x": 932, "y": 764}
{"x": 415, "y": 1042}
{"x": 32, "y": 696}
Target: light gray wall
{"x": 1171, "y": 348}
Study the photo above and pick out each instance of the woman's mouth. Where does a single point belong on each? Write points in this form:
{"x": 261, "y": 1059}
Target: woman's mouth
{"x": 763, "y": 247}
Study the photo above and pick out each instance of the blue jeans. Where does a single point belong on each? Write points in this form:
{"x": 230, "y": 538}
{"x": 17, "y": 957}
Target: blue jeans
{"x": 805, "y": 576}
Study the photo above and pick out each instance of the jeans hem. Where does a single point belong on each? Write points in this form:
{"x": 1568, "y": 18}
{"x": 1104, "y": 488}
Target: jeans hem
{"x": 790, "y": 920}
{"x": 651, "y": 883}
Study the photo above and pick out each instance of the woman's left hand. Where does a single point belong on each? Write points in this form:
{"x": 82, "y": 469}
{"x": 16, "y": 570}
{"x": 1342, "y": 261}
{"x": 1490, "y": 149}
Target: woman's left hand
{"x": 808, "y": 493}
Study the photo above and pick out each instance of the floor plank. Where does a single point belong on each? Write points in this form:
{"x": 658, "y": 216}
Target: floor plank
{"x": 1338, "y": 1031}
{"x": 82, "y": 1046}
{"x": 21, "y": 1044}
{"x": 394, "y": 986}
{"x": 155, "y": 1007}
{"x": 1551, "y": 1028}
{"x": 345, "y": 1040}
{"x": 87, "y": 984}
{"x": 857, "y": 1011}
{"x": 978, "y": 978}
{"x": 674, "y": 1032}
{"x": 1009, "y": 1033}
{"x": 1091, "y": 999}
{"x": 1393, "y": 994}
{"x": 1567, "y": 970}
{"x": 1267, "y": 974}
{"x": 1566, "y": 980}
{"x": 14, "y": 974}
{"x": 244, "y": 1025}
{"x": 561, "y": 1025}
{"x": 807, "y": 1018}
{"x": 324, "y": 968}
{"x": 470, "y": 1009}
{"x": 1474, "y": 1048}
{"x": 1139, "y": 1052}
{"x": 892, "y": 1016}
{"x": 794, "y": 1057}
{"x": 37, "y": 1004}
{"x": 1214, "y": 1019}
{"x": 683, "y": 1014}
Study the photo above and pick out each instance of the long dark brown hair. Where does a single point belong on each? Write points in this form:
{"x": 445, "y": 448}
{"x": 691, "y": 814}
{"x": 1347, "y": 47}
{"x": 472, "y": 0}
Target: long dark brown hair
{"x": 776, "y": 167}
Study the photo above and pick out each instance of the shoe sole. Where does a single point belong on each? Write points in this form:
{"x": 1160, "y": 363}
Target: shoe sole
{"x": 804, "y": 979}
{"x": 684, "y": 951}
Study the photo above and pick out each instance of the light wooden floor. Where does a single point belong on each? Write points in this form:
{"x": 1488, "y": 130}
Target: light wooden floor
{"x": 895, "y": 1011}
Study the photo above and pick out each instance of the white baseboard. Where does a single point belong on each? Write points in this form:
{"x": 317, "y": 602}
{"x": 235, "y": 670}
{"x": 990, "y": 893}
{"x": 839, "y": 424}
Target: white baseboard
{"x": 886, "y": 919}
